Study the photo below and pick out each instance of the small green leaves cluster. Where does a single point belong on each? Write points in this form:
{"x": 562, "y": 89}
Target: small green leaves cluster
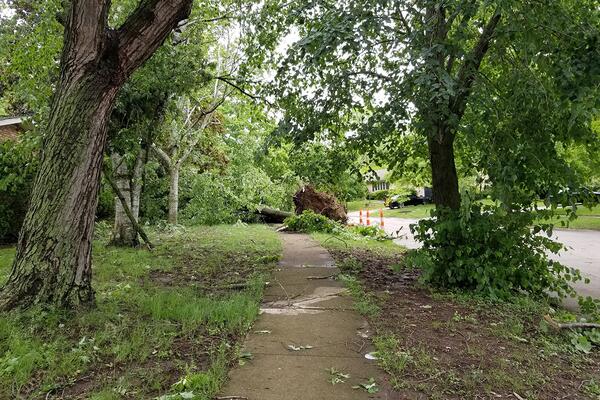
{"x": 492, "y": 250}
{"x": 584, "y": 341}
{"x": 371, "y": 231}
{"x": 310, "y": 221}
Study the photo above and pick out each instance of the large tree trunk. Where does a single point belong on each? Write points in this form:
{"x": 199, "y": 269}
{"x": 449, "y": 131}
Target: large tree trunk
{"x": 124, "y": 233}
{"x": 443, "y": 170}
{"x": 53, "y": 260}
{"x": 53, "y": 263}
{"x": 173, "y": 193}
{"x": 441, "y": 139}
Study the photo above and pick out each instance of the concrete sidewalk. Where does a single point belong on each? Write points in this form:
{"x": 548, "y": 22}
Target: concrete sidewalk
{"x": 307, "y": 327}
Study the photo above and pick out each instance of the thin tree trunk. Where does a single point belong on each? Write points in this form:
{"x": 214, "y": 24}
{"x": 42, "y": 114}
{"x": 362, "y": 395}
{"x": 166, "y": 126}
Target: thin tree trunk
{"x": 443, "y": 170}
{"x": 137, "y": 181}
{"x": 53, "y": 260}
{"x": 124, "y": 233}
{"x": 173, "y": 193}
{"x": 127, "y": 209}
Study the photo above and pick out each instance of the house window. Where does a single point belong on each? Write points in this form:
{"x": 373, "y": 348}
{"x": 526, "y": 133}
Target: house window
{"x": 381, "y": 186}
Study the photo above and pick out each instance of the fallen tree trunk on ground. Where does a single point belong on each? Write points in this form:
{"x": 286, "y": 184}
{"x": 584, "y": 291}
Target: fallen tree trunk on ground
{"x": 272, "y": 215}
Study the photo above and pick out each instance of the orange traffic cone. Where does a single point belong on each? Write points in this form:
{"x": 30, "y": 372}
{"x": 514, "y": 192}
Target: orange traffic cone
{"x": 360, "y": 221}
{"x": 368, "y": 218}
{"x": 381, "y": 217}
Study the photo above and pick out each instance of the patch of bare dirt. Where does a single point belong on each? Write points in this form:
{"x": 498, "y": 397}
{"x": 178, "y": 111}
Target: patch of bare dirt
{"x": 464, "y": 349}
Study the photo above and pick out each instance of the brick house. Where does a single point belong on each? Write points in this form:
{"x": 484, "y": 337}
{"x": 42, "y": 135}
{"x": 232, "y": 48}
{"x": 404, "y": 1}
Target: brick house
{"x": 10, "y": 127}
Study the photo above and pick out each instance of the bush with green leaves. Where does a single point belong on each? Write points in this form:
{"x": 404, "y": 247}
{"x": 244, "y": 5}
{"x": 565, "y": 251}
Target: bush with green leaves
{"x": 492, "y": 250}
{"x": 371, "y": 231}
{"x": 378, "y": 195}
{"x": 225, "y": 198}
{"x": 18, "y": 166}
{"x": 310, "y": 221}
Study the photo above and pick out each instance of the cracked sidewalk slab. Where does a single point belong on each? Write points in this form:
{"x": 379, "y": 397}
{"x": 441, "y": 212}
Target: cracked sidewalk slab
{"x": 298, "y": 312}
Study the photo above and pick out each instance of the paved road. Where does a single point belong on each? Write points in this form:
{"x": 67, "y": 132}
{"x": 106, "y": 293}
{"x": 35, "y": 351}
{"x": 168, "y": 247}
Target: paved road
{"x": 583, "y": 249}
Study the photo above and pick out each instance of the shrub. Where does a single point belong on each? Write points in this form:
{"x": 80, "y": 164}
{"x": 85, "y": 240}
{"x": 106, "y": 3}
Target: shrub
{"x": 309, "y": 221}
{"x": 371, "y": 231}
{"x": 225, "y": 198}
{"x": 378, "y": 195}
{"x": 18, "y": 166}
{"x": 492, "y": 250}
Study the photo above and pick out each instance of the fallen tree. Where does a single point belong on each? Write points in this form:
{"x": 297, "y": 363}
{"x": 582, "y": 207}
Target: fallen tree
{"x": 272, "y": 215}
{"x": 308, "y": 198}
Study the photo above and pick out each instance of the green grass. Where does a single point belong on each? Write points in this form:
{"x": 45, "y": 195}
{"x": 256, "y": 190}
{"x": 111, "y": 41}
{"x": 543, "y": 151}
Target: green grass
{"x": 587, "y": 218}
{"x": 385, "y": 247}
{"x": 392, "y": 358}
{"x": 581, "y": 222}
{"x": 6, "y": 257}
{"x": 410, "y": 212}
{"x": 357, "y": 205}
{"x": 156, "y": 322}
{"x": 581, "y": 210}
{"x": 365, "y": 303}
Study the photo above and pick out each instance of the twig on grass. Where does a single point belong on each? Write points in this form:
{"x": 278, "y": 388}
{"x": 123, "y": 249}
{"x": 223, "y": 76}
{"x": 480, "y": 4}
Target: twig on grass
{"x": 571, "y": 325}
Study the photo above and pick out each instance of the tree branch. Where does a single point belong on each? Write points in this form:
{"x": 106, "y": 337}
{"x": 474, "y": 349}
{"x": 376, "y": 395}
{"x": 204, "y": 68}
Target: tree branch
{"x": 468, "y": 71}
{"x": 205, "y": 121}
{"x": 147, "y": 28}
{"x": 162, "y": 156}
{"x": 572, "y": 325}
{"x": 85, "y": 33}
{"x": 241, "y": 90}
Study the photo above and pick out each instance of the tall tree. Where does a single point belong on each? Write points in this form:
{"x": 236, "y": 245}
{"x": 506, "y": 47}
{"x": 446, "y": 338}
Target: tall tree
{"x": 183, "y": 138}
{"x": 378, "y": 69}
{"x": 53, "y": 261}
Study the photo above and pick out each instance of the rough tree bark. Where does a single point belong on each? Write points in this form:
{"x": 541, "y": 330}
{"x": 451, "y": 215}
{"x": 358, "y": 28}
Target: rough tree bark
{"x": 440, "y": 138}
{"x": 53, "y": 261}
{"x": 443, "y": 169}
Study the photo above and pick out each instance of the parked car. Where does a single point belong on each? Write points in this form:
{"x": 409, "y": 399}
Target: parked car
{"x": 398, "y": 201}
{"x": 394, "y": 202}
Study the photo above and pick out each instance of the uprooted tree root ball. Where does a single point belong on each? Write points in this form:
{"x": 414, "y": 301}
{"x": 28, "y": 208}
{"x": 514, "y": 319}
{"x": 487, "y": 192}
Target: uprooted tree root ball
{"x": 307, "y": 198}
